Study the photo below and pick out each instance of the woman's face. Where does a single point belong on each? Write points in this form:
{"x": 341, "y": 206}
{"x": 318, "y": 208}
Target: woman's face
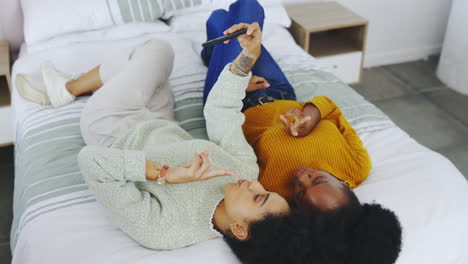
{"x": 248, "y": 201}
{"x": 319, "y": 189}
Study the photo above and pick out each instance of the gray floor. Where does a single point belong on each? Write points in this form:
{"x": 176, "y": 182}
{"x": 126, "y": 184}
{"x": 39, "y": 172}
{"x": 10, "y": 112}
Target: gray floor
{"x": 415, "y": 99}
{"x": 409, "y": 93}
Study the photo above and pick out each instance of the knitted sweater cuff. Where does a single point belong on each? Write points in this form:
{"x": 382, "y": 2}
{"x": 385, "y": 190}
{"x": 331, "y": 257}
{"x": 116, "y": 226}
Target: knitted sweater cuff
{"x": 230, "y": 78}
{"x": 324, "y": 105}
{"x": 135, "y": 169}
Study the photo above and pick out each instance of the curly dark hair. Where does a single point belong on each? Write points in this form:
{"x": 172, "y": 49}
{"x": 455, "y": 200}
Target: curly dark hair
{"x": 350, "y": 234}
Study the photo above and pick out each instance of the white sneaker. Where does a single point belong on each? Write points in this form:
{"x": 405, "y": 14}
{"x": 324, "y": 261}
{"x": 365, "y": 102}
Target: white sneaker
{"x": 36, "y": 94}
{"x": 55, "y": 83}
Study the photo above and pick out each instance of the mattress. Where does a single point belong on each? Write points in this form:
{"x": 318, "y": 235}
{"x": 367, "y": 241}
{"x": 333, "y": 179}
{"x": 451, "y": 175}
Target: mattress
{"x": 57, "y": 219}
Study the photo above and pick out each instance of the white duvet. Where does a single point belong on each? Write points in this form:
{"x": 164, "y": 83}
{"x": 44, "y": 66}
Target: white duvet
{"x": 424, "y": 189}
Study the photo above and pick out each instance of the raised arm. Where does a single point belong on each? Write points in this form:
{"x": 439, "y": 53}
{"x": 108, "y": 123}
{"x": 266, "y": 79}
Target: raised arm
{"x": 331, "y": 112}
{"x": 328, "y": 110}
{"x": 222, "y": 111}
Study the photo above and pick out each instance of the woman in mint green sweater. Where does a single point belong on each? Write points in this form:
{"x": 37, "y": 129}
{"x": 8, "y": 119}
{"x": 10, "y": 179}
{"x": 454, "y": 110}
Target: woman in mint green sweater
{"x": 162, "y": 187}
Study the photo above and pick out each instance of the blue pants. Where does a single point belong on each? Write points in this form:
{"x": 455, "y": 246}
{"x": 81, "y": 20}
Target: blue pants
{"x": 216, "y": 57}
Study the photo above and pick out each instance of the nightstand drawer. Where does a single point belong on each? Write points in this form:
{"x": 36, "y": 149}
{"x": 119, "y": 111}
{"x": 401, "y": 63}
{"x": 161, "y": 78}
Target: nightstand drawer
{"x": 345, "y": 66}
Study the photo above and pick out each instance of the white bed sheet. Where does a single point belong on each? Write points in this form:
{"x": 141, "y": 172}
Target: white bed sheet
{"x": 425, "y": 190}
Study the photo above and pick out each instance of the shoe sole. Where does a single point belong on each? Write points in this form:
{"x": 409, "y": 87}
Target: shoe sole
{"x": 26, "y": 90}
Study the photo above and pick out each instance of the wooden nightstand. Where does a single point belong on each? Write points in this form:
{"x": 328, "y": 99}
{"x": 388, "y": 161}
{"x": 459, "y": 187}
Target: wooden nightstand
{"x": 333, "y": 34}
{"x": 6, "y": 135}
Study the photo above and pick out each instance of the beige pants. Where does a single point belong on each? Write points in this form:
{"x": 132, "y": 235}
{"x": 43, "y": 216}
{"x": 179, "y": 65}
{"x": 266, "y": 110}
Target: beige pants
{"x": 135, "y": 89}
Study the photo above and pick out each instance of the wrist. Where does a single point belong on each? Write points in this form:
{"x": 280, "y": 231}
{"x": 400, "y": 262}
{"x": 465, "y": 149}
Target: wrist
{"x": 170, "y": 175}
{"x": 244, "y": 62}
{"x": 161, "y": 180}
{"x": 156, "y": 172}
{"x": 151, "y": 170}
{"x": 237, "y": 70}
{"x": 311, "y": 110}
{"x": 252, "y": 53}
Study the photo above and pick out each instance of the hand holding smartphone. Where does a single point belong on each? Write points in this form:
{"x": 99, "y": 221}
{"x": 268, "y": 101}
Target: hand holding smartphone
{"x": 224, "y": 38}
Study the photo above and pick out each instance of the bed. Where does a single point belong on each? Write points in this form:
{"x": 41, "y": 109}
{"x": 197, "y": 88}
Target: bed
{"x": 57, "y": 219}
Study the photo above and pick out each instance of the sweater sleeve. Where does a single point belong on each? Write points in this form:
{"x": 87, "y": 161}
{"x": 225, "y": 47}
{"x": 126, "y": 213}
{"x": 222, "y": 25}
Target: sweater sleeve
{"x": 224, "y": 118}
{"x": 111, "y": 174}
{"x": 331, "y": 112}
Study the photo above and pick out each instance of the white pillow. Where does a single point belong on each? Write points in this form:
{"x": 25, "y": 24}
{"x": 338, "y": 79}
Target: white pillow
{"x": 44, "y": 19}
{"x": 120, "y": 32}
{"x": 275, "y": 13}
{"x": 186, "y": 7}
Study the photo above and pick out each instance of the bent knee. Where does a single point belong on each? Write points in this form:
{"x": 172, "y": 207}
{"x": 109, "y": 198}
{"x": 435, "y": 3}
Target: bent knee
{"x": 157, "y": 55}
{"x": 216, "y": 19}
{"x": 159, "y": 45}
{"x": 155, "y": 50}
{"x": 250, "y": 4}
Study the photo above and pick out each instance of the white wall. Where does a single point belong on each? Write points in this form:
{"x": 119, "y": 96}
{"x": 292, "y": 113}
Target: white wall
{"x": 11, "y": 22}
{"x": 453, "y": 63}
{"x": 400, "y": 30}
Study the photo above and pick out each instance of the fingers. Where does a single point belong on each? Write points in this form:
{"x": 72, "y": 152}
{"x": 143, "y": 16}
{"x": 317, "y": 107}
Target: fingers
{"x": 260, "y": 81}
{"x": 197, "y": 161}
{"x": 257, "y": 83}
{"x": 296, "y": 113}
{"x": 256, "y": 79}
{"x": 203, "y": 172}
{"x": 206, "y": 164}
{"x": 287, "y": 124}
{"x": 235, "y": 28}
{"x": 217, "y": 173}
{"x": 254, "y": 32}
{"x": 299, "y": 124}
{"x": 299, "y": 121}
{"x": 305, "y": 120}
{"x": 253, "y": 28}
{"x": 294, "y": 130}
{"x": 261, "y": 85}
{"x": 299, "y": 117}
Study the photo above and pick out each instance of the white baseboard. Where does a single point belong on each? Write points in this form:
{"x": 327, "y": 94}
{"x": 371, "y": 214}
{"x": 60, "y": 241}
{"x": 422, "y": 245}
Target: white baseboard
{"x": 373, "y": 59}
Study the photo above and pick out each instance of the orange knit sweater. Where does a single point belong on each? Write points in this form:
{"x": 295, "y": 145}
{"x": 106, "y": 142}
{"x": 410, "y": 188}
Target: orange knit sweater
{"x": 332, "y": 146}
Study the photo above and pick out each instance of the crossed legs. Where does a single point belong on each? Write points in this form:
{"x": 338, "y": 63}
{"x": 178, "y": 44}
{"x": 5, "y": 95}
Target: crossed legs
{"x": 242, "y": 11}
{"x": 121, "y": 99}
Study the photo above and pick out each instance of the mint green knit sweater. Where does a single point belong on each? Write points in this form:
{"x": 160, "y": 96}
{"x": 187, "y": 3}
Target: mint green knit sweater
{"x": 173, "y": 215}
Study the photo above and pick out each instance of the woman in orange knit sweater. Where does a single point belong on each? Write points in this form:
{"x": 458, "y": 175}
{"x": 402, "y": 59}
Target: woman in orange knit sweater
{"x": 318, "y": 146}
{"x": 309, "y": 150}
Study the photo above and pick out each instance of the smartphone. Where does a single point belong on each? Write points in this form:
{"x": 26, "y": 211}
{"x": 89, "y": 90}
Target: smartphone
{"x": 224, "y": 38}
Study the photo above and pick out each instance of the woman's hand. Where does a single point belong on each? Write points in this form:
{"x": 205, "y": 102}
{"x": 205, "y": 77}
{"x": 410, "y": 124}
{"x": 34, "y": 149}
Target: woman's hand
{"x": 196, "y": 170}
{"x": 257, "y": 83}
{"x": 251, "y": 42}
{"x": 304, "y": 121}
